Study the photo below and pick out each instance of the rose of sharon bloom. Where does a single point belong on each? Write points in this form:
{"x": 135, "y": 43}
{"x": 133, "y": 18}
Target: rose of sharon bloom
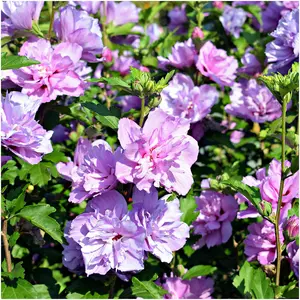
{"x": 233, "y": 19}
{"x": 284, "y": 50}
{"x": 91, "y": 7}
{"x": 107, "y": 237}
{"x": 18, "y": 16}
{"x": 178, "y": 19}
{"x": 293, "y": 255}
{"x": 76, "y": 26}
{"x": 161, "y": 219}
{"x": 292, "y": 226}
{"x": 72, "y": 256}
{"x": 120, "y": 13}
{"x": 253, "y": 102}
{"x": 20, "y": 132}
{"x": 260, "y": 244}
{"x": 96, "y": 173}
{"x": 68, "y": 170}
{"x": 217, "y": 65}
{"x": 182, "y": 56}
{"x": 269, "y": 183}
{"x": 196, "y": 288}
{"x": 182, "y": 99}
{"x": 213, "y": 223}
{"x": 197, "y": 33}
{"x": 160, "y": 153}
{"x": 55, "y": 74}
{"x": 251, "y": 65}
{"x": 5, "y": 159}
{"x": 122, "y": 63}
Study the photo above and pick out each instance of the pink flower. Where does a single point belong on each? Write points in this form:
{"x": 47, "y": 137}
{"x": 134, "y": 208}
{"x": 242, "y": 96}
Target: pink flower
{"x": 217, "y": 65}
{"x": 160, "y": 153}
{"x": 260, "y": 244}
{"x": 197, "y": 33}
{"x": 218, "y": 4}
{"x": 292, "y": 226}
{"x": 293, "y": 256}
{"x": 55, "y": 74}
{"x": 217, "y": 211}
{"x": 20, "y": 132}
{"x": 76, "y": 26}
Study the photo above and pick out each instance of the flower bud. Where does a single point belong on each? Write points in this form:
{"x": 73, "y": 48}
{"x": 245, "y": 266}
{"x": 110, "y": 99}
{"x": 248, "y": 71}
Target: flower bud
{"x": 292, "y": 226}
{"x": 197, "y": 33}
{"x": 218, "y": 4}
{"x": 107, "y": 55}
{"x": 137, "y": 87}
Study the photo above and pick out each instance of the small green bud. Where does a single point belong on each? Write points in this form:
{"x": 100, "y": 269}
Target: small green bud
{"x": 137, "y": 87}
{"x": 267, "y": 208}
{"x": 149, "y": 87}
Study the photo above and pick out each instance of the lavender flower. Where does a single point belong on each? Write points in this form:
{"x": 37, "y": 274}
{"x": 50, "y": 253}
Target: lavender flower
{"x": 293, "y": 255}
{"x": 20, "y": 132}
{"x": 253, "y": 102}
{"x": 5, "y": 159}
{"x": 54, "y": 76}
{"x": 217, "y": 211}
{"x": 108, "y": 239}
{"x": 178, "y": 19}
{"x": 122, "y": 63}
{"x": 91, "y": 7}
{"x": 251, "y": 65}
{"x": 233, "y": 19}
{"x": 182, "y": 56}
{"x": 196, "y": 288}
{"x": 260, "y": 244}
{"x": 75, "y": 26}
{"x": 182, "y": 99}
{"x": 284, "y": 50}
{"x": 161, "y": 220}
{"x": 18, "y": 16}
{"x": 215, "y": 64}
{"x": 160, "y": 153}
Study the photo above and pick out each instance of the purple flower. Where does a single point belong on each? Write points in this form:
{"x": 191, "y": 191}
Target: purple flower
{"x": 292, "y": 226}
{"x": 129, "y": 102}
{"x": 251, "y": 65}
{"x": 182, "y": 99}
{"x": 93, "y": 171}
{"x": 197, "y": 130}
{"x": 233, "y": 19}
{"x": 236, "y": 136}
{"x": 108, "y": 239}
{"x": 178, "y": 19}
{"x": 120, "y": 13}
{"x": 260, "y": 244}
{"x": 91, "y": 7}
{"x": 122, "y": 63}
{"x": 293, "y": 255}
{"x": 160, "y": 153}
{"x": 60, "y": 134}
{"x": 76, "y": 26}
{"x": 182, "y": 56}
{"x": 72, "y": 257}
{"x": 253, "y": 102}
{"x": 161, "y": 220}
{"x": 18, "y": 16}
{"x": 268, "y": 184}
{"x": 213, "y": 223}
{"x": 55, "y": 74}
{"x": 154, "y": 31}
{"x": 196, "y": 288}
{"x": 5, "y": 159}
{"x": 284, "y": 50}
{"x": 20, "y": 132}
{"x": 271, "y": 15}
{"x": 217, "y": 65}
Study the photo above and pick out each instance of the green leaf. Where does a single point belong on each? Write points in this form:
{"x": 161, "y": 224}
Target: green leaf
{"x": 13, "y": 238}
{"x": 292, "y": 294}
{"x": 11, "y": 173}
{"x": 113, "y": 81}
{"x": 295, "y": 164}
{"x": 253, "y": 281}
{"x": 104, "y": 115}
{"x": 187, "y": 207}
{"x": 18, "y": 289}
{"x": 120, "y": 30}
{"x": 17, "y": 272}
{"x": 56, "y": 157}
{"x": 294, "y": 211}
{"x": 38, "y": 215}
{"x": 255, "y": 10}
{"x": 40, "y": 174}
{"x": 42, "y": 291}
{"x": 16, "y": 62}
{"x": 147, "y": 289}
{"x": 200, "y": 270}
{"x": 16, "y": 204}
{"x": 19, "y": 252}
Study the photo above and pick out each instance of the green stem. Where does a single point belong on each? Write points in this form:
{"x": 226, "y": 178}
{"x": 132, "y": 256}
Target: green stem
{"x": 51, "y": 7}
{"x": 278, "y": 245}
{"x": 112, "y": 287}
{"x": 142, "y": 117}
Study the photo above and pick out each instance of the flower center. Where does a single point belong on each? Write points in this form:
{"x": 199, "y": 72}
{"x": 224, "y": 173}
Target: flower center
{"x": 117, "y": 237}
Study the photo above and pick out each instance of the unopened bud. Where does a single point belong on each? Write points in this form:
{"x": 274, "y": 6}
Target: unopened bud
{"x": 197, "y": 33}
{"x": 107, "y": 55}
{"x": 30, "y": 188}
{"x": 292, "y": 226}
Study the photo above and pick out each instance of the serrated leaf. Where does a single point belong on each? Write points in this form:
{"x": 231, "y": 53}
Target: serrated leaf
{"x": 16, "y": 204}
{"x": 13, "y": 238}
{"x": 16, "y": 62}
{"x": 187, "y": 207}
{"x": 42, "y": 291}
{"x": 11, "y": 173}
{"x": 104, "y": 115}
{"x": 38, "y": 215}
{"x": 18, "y": 289}
{"x": 147, "y": 289}
{"x": 294, "y": 211}
{"x": 40, "y": 174}
{"x": 56, "y": 157}
{"x": 17, "y": 272}
{"x": 19, "y": 252}
{"x": 200, "y": 270}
